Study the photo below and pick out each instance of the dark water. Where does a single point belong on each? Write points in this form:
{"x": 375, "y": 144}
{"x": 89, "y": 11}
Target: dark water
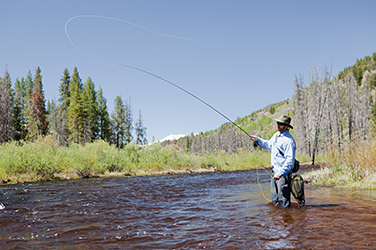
{"x": 193, "y": 211}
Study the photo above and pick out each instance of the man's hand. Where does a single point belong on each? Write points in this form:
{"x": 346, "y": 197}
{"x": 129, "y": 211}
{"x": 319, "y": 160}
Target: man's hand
{"x": 276, "y": 177}
{"x": 253, "y": 137}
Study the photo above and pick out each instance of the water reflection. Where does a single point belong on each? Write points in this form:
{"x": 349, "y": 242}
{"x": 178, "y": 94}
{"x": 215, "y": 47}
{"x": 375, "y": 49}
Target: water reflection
{"x": 196, "y": 211}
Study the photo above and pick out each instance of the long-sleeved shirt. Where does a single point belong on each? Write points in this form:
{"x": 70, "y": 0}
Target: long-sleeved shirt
{"x": 282, "y": 146}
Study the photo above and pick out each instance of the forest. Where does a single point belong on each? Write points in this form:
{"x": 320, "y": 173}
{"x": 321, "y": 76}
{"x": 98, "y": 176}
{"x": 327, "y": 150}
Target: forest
{"x": 75, "y": 136}
{"x": 80, "y": 115}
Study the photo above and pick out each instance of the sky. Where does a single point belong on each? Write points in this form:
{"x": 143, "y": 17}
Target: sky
{"x": 238, "y": 56}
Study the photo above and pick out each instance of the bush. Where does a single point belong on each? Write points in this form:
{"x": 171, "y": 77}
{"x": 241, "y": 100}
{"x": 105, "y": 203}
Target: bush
{"x": 45, "y": 160}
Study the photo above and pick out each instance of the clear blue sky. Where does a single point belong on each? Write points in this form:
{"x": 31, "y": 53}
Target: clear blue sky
{"x": 257, "y": 47}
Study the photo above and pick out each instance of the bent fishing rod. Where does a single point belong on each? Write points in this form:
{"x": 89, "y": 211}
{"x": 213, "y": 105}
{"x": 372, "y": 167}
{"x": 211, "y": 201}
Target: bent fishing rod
{"x": 154, "y": 75}
{"x": 187, "y": 92}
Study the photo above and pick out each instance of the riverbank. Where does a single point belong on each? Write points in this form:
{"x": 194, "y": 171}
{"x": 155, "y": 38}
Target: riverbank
{"x": 342, "y": 176}
{"x": 354, "y": 167}
{"x": 44, "y": 160}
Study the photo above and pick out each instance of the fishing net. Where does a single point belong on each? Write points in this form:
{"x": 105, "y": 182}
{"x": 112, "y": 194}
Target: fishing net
{"x": 297, "y": 188}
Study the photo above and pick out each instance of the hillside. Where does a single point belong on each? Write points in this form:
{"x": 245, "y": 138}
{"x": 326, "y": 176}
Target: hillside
{"x": 229, "y": 138}
{"x": 317, "y": 104}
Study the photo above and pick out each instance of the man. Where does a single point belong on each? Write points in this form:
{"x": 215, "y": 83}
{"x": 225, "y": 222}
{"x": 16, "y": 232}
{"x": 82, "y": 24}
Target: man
{"x": 282, "y": 146}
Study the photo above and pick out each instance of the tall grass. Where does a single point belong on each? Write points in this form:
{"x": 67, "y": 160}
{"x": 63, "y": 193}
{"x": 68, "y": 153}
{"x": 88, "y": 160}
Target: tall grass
{"x": 45, "y": 160}
{"x": 354, "y": 167}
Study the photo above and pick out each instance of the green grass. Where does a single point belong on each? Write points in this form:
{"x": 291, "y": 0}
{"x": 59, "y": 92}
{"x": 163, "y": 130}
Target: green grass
{"x": 45, "y": 160}
{"x": 355, "y": 167}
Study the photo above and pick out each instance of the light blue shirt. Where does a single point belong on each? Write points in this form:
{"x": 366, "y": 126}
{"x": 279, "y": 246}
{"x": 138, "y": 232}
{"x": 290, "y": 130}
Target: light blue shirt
{"x": 282, "y": 163}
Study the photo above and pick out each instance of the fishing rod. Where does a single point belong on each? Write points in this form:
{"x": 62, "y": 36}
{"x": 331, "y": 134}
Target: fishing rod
{"x": 157, "y": 76}
{"x": 189, "y": 93}
{"x": 210, "y": 106}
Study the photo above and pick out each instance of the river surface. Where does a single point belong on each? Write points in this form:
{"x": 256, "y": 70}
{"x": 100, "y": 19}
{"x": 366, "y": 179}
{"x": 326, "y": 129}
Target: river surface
{"x": 192, "y": 211}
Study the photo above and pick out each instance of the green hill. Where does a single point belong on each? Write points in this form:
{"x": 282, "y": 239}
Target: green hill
{"x": 228, "y": 138}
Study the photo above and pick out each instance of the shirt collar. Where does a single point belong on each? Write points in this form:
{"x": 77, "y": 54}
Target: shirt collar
{"x": 283, "y": 133}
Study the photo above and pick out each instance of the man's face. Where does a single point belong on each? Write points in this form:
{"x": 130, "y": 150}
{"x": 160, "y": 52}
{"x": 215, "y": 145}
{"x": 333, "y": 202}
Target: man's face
{"x": 281, "y": 127}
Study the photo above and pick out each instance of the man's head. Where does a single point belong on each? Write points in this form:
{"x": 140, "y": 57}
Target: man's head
{"x": 283, "y": 123}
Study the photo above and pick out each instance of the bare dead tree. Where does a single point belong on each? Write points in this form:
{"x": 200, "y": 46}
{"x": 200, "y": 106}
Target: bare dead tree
{"x": 300, "y": 117}
{"x": 364, "y": 106}
{"x": 337, "y": 112}
{"x": 350, "y": 88}
{"x": 317, "y": 99}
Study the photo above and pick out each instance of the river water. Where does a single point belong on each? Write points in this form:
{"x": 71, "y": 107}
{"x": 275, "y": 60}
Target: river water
{"x": 191, "y": 211}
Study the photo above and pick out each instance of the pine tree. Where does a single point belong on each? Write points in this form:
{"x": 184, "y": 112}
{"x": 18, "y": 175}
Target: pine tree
{"x": 74, "y": 110}
{"x": 20, "y": 110}
{"x": 140, "y": 131}
{"x": 29, "y": 85}
{"x": 104, "y": 118}
{"x": 128, "y": 123}
{"x": 118, "y": 122}
{"x": 60, "y": 127}
{"x": 89, "y": 111}
{"x": 51, "y": 116}
{"x": 38, "y": 124}
{"x": 64, "y": 89}
{"x": 6, "y": 109}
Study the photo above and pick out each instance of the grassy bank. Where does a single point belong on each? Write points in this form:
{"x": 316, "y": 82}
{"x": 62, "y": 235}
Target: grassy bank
{"x": 45, "y": 160}
{"x": 355, "y": 167}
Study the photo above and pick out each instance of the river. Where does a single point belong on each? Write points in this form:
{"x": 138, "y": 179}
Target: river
{"x": 223, "y": 210}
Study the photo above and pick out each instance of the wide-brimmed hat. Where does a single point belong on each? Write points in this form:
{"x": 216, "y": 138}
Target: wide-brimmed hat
{"x": 285, "y": 119}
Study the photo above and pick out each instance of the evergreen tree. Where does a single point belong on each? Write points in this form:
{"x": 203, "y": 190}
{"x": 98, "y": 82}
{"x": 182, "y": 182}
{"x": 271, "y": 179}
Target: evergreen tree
{"x": 29, "y": 85}
{"x": 118, "y": 122}
{"x": 6, "y": 109}
{"x": 60, "y": 127}
{"x": 74, "y": 110}
{"x": 128, "y": 122}
{"x": 140, "y": 131}
{"x": 89, "y": 111}
{"x": 51, "y": 115}
{"x": 20, "y": 110}
{"x": 64, "y": 89}
{"x": 104, "y": 118}
{"x": 38, "y": 124}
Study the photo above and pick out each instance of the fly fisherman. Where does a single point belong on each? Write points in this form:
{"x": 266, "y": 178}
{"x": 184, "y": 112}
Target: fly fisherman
{"x": 282, "y": 146}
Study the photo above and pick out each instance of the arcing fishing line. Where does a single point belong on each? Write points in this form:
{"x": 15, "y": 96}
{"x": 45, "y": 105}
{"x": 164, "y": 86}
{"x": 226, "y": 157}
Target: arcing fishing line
{"x": 151, "y": 74}
{"x": 145, "y": 71}
{"x": 123, "y": 21}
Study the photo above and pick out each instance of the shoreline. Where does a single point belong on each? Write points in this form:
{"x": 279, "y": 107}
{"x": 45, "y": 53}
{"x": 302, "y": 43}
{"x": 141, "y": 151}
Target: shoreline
{"x": 73, "y": 176}
{"x": 139, "y": 172}
{"x": 318, "y": 175}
